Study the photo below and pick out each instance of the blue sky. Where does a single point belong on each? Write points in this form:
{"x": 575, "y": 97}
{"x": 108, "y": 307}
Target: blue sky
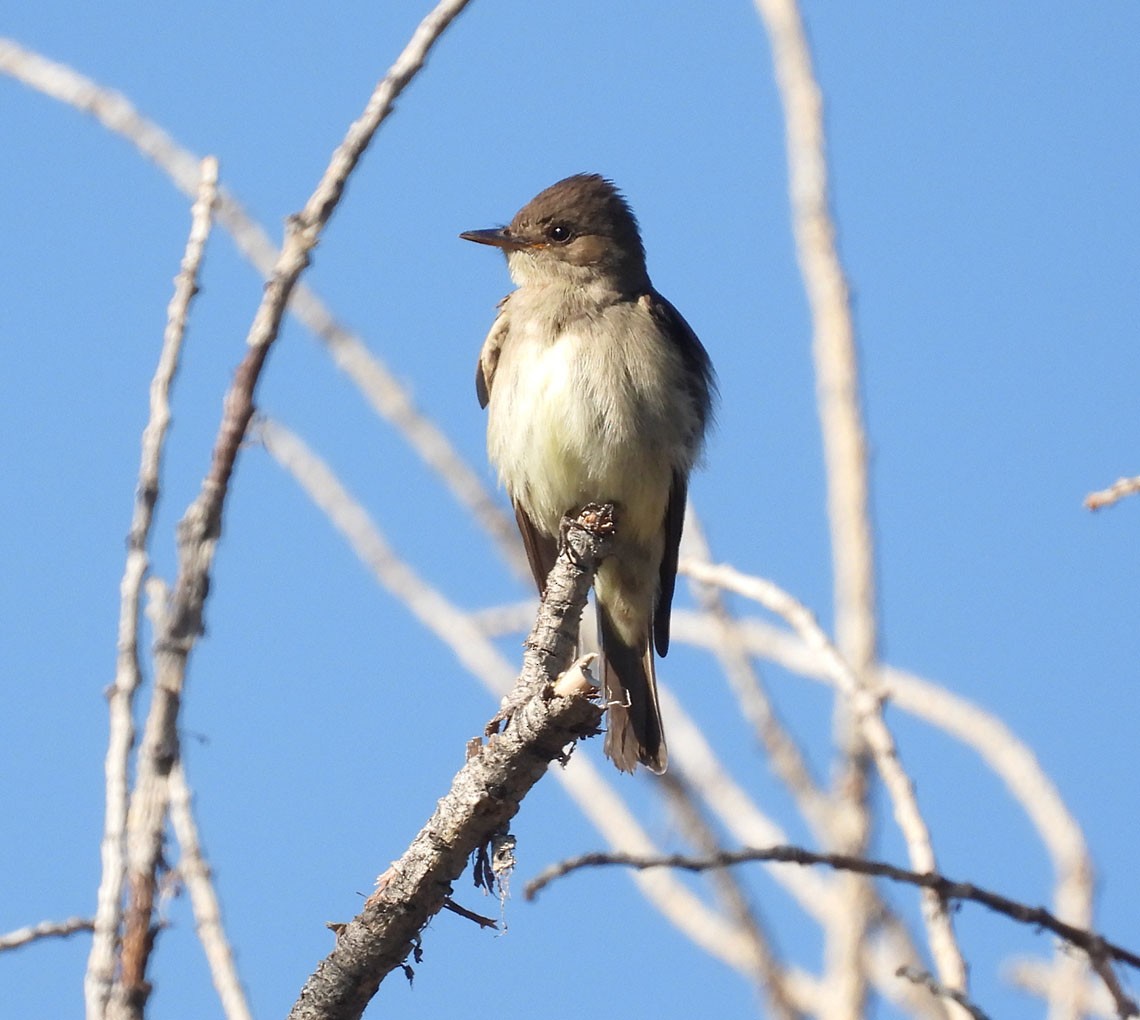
{"x": 985, "y": 165}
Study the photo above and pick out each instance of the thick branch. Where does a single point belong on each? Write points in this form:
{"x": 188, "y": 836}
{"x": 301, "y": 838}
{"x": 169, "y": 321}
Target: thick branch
{"x": 484, "y": 796}
{"x": 457, "y": 629}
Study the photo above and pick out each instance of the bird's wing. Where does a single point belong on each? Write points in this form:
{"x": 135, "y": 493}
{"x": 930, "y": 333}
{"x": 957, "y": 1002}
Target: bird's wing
{"x": 699, "y": 378}
{"x": 701, "y": 386}
{"x": 489, "y": 355}
{"x": 674, "y": 522}
{"x": 541, "y": 550}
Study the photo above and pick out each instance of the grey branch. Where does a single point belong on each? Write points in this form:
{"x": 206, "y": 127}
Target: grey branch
{"x": 484, "y": 796}
{"x": 1097, "y": 947}
{"x": 389, "y": 397}
{"x": 128, "y": 673}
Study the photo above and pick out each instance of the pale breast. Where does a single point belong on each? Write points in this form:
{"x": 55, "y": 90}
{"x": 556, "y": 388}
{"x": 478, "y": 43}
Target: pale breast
{"x": 577, "y": 416}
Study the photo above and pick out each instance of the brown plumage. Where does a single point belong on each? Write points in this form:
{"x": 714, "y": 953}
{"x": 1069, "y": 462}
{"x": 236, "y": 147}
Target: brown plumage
{"x": 597, "y": 391}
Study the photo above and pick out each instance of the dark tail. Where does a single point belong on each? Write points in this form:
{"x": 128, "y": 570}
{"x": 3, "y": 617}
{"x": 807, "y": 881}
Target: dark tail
{"x": 633, "y": 730}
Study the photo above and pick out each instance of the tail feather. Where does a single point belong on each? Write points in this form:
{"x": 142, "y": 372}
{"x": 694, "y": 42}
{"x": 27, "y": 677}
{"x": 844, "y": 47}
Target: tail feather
{"x": 633, "y": 731}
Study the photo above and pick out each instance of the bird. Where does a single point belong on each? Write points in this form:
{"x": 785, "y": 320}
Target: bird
{"x": 597, "y": 391}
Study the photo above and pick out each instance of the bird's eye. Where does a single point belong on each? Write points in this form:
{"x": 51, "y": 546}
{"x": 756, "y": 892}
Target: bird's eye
{"x": 559, "y": 233}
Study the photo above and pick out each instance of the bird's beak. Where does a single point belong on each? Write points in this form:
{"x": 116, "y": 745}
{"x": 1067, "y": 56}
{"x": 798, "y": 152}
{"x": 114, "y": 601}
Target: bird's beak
{"x": 500, "y": 237}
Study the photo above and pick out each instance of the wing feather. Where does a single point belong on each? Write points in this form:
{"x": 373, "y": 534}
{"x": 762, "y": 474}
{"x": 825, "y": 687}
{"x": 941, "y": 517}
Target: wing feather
{"x": 674, "y": 522}
{"x": 541, "y": 549}
{"x": 489, "y": 355}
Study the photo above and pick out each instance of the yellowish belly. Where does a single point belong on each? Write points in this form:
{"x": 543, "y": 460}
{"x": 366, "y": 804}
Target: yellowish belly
{"x": 561, "y": 437}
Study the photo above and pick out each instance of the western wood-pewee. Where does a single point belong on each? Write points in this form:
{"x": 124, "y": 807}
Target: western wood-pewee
{"x": 597, "y": 391}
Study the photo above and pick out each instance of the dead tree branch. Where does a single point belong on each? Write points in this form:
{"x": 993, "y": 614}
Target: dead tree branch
{"x": 947, "y": 889}
{"x": 547, "y": 715}
{"x": 201, "y": 525}
{"x": 128, "y": 671}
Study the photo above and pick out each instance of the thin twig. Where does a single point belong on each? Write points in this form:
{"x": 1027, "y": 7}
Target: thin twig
{"x": 479, "y": 919}
{"x": 925, "y": 980}
{"x": 1113, "y": 494}
{"x": 195, "y": 874}
{"x": 128, "y": 673}
{"x": 947, "y": 888}
{"x": 891, "y": 946}
{"x": 201, "y": 525}
{"x": 45, "y": 930}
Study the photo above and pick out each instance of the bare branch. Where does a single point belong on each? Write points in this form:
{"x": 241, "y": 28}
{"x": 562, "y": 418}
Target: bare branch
{"x": 1113, "y": 494}
{"x": 484, "y": 796}
{"x": 836, "y": 360}
{"x": 201, "y": 525}
{"x": 380, "y": 387}
{"x": 947, "y": 889}
{"x": 998, "y": 747}
{"x": 845, "y": 456}
{"x": 45, "y": 930}
{"x": 595, "y": 795}
{"x": 785, "y": 757}
{"x": 195, "y": 874}
{"x": 128, "y": 673}
{"x": 770, "y": 973}
{"x": 879, "y": 740}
